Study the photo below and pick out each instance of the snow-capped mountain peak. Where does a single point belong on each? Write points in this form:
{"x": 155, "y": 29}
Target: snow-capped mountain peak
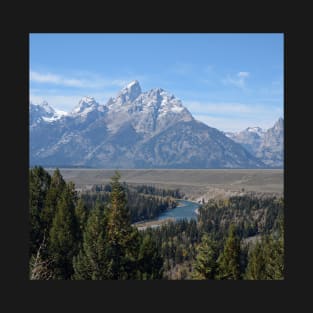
{"x": 43, "y": 109}
{"x": 43, "y": 112}
{"x": 85, "y": 105}
{"x": 129, "y": 93}
{"x": 133, "y": 130}
{"x": 147, "y": 112}
{"x": 46, "y": 107}
{"x": 266, "y": 145}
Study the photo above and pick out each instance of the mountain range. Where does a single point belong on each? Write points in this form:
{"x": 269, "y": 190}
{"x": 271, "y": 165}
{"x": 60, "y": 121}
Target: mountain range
{"x": 267, "y": 145}
{"x": 139, "y": 129}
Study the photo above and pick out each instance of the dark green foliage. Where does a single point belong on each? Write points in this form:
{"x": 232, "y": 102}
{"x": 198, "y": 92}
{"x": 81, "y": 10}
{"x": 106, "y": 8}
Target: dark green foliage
{"x": 121, "y": 237}
{"x": 205, "y": 266}
{"x": 63, "y": 235}
{"x": 256, "y": 265}
{"x": 39, "y": 183}
{"x": 143, "y": 202}
{"x": 92, "y": 238}
{"x": 91, "y": 262}
{"x": 266, "y": 260}
{"x": 250, "y": 214}
{"x": 150, "y": 262}
{"x": 229, "y": 259}
{"x": 143, "y": 189}
{"x": 54, "y": 193}
{"x": 81, "y": 215}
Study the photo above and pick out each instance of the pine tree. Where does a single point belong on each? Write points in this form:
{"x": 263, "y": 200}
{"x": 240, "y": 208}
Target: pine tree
{"x": 57, "y": 186}
{"x": 266, "y": 259}
{"x": 121, "y": 238}
{"x": 274, "y": 258}
{"x": 63, "y": 241}
{"x": 205, "y": 265}
{"x": 39, "y": 183}
{"x": 91, "y": 262}
{"x": 81, "y": 215}
{"x": 229, "y": 259}
{"x": 256, "y": 263}
{"x": 150, "y": 262}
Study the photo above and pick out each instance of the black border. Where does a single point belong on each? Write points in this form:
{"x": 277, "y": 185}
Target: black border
{"x": 156, "y": 295}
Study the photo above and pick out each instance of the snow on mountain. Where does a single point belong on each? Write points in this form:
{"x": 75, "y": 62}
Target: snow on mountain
{"x": 135, "y": 129}
{"x": 44, "y": 112}
{"x": 40, "y": 112}
{"x": 148, "y": 112}
{"x": 267, "y": 145}
{"x": 127, "y": 94}
{"x": 85, "y": 105}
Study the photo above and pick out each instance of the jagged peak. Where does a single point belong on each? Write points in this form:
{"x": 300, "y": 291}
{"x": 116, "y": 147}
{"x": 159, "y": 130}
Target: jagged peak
{"x": 129, "y": 93}
{"x": 43, "y": 105}
{"x": 85, "y": 105}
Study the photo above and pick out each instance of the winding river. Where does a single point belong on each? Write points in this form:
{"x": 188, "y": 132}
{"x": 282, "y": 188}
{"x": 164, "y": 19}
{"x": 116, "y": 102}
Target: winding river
{"x": 185, "y": 209}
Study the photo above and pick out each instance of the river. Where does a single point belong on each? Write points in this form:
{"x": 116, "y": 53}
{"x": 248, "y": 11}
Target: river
{"x": 185, "y": 209}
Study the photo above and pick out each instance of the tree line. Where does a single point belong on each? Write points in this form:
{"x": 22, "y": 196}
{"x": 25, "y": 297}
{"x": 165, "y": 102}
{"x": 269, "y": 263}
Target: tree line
{"x": 79, "y": 237}
{"x": 238, "y": 238}
{"x": 69, "y": 241}
{"x": 143, "y": 202}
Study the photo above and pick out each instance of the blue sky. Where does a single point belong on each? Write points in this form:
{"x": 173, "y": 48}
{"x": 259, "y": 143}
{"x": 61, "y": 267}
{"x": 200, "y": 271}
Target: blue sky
{"x": 228, "y": 81}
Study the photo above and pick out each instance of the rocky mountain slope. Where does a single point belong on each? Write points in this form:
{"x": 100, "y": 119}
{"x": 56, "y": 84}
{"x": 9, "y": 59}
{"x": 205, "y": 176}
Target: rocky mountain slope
{"x": 133, "y": 130}
{"x": 267, "y": 145}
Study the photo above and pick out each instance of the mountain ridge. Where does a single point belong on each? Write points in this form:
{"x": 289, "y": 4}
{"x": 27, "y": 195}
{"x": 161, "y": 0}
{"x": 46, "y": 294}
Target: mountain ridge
{"x": 135, "y": 129}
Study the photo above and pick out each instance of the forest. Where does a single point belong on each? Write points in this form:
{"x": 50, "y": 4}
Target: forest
{"x": 143, "y": 202}
{"x": 90, "y": 236}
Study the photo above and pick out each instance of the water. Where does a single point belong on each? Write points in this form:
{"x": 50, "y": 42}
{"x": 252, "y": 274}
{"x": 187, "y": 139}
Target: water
{"x": 185, "y": 209}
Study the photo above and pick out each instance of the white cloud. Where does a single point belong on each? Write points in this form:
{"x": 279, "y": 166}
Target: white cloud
{"x": 88, "y": 81}
{"x": 238, "y": 81}
{"x": 64, "y": 103}
{"x": 44, "y": 78}
{"x": 243, "y": 74}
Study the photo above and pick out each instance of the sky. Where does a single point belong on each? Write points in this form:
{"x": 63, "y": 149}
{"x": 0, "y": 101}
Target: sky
{"x": 228, "y": 81}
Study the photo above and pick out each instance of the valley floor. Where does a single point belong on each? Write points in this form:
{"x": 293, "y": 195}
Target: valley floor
{"x": 195, "y": 184}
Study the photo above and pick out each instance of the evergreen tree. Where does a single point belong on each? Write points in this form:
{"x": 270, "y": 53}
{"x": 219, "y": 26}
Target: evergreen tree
{"x": 266, "y": 259}
{"x": 205, "y": 264}
{"x": 54, "y": 194}
{"x": 256, "y": 263}
{"x": 63, "y": 241}
{"x": 274, "y": 258}
{"x": 229, "y": 259}
{"x": 91, "y": 262}
{"x": 39, "y": 183}
{"x": 150, "y": 262}
{"x": 81, "y": 215}
{"x": 121, "y": 238}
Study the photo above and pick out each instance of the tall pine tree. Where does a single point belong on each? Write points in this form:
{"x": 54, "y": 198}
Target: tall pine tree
{"x": 81, "y": 215}
{"x": 121, "y": 238}
{"x": 63, "y": 240}
{"x": 205, "y": 265}
{"x": 39, "y": 183}
{"x": 229, "y": 259}
{"x": 91, "y": 262}
{"x": 150, "y": 262}
{"x": 54, "y": 194}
